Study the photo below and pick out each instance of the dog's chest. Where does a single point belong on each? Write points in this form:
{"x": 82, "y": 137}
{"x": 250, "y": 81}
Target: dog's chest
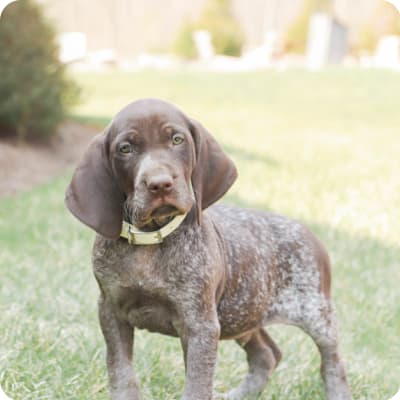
{"x": 118, "y": 264}
{"x": 140, "y": 283}
{"x": 146, "y": 309}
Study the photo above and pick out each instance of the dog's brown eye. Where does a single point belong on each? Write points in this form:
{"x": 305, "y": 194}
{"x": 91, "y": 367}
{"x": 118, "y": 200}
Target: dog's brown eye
{"x": 125, "y": 148}
{"x": 177, "y": 139}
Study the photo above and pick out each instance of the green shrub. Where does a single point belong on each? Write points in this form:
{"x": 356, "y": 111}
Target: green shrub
{"x": 366, "y": 40}
{"x": 184, "y": 44}
{"x": 295, "y": 40}
{"x": 226, "y": 34}
{"x": 217, "y": 18}
{"x": 34, "y": 88}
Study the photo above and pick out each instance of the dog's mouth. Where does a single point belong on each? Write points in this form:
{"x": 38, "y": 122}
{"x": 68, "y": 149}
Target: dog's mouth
{"x": 165, "y": 211}
{"x": 159, "y": 216}
{"x": 152, "y": 214}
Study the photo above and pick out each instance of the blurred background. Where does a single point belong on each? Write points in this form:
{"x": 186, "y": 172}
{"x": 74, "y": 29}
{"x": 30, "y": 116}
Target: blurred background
{"x": 275, "y": 33}
{"x": 303, "y": 95}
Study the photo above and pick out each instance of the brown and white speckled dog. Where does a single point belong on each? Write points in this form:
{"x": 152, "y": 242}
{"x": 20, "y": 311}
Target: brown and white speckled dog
{"x": 224, "y": 273}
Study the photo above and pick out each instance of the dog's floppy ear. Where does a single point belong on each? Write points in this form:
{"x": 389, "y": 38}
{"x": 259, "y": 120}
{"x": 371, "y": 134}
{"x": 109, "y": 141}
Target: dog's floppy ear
{"x": 213, "y": 173}
{"x": 93, "y": 195}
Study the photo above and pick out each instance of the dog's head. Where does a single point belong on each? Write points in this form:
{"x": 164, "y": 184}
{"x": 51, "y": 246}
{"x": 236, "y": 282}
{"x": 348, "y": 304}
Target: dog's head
{"x": 142, "y": 168}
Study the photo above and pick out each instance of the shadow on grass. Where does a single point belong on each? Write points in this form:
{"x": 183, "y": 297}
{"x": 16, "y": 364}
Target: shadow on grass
{"x": 246, "y": 155}
{"x": 348, "y": 240}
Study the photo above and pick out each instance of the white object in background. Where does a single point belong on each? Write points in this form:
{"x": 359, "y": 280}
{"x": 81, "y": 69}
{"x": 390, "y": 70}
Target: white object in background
{"x": 270, "y": 43}
{"x": 204, "y": 46}
{"x": 396, "y": 396}
{"x": 3, "y": 396}
{"x": 387, "y": 53}
{"x": 72, "y": 46}
{"x": 3, "y": 5}
{"x": 326, "y": 41}
{"x": 318, "y": 40}
{"x": 395, "y": 3}
{"x": 101, "y": 57}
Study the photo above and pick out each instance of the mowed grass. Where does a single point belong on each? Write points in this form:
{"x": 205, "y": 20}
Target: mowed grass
{"x": 320, "y": 147}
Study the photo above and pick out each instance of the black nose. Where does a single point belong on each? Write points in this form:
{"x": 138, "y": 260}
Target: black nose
{"x": 160, "y": 184}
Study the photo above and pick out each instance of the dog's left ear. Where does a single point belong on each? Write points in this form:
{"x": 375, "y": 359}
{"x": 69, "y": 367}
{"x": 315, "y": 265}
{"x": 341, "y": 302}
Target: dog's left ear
{"x": 213, "y": 173}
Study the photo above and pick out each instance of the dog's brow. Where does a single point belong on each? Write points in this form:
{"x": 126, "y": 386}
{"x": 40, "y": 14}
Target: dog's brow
{"x": 172, "y": 126}
{"x": 130, "y": 134}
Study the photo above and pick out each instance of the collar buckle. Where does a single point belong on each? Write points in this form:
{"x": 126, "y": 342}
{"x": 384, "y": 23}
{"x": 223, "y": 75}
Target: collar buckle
{"x": 131, "y": 235}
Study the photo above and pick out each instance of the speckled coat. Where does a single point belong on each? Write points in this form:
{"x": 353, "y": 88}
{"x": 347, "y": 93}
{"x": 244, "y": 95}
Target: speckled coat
{"x": 225, "y": 273}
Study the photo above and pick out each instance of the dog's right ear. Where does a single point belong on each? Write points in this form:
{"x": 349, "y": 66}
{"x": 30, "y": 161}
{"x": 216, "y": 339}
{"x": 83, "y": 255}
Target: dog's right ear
{"x": 93, "y": 195}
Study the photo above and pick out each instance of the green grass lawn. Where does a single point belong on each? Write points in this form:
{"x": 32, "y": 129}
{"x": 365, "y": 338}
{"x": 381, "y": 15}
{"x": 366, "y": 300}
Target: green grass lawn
{"x": 320, "y": 147}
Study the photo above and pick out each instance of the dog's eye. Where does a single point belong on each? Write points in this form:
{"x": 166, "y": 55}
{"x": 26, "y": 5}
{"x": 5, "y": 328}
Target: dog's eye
{"x": 177, "y": 139}
{"x": 125, "y": 148}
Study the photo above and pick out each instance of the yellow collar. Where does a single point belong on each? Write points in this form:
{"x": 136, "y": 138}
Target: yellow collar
{"x": 137, "y": 236}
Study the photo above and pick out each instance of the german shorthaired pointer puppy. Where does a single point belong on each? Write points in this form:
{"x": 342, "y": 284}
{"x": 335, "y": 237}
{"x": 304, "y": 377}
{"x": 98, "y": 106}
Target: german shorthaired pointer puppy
{"x": 169, "y": 262}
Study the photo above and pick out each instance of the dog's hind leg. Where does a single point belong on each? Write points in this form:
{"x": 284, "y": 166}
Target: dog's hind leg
{"x": 324, "y": 334}
{"x": 263, "y": 356}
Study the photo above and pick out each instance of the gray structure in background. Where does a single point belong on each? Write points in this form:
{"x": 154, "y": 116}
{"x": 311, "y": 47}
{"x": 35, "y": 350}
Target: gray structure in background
{"x": 327, "y": 41}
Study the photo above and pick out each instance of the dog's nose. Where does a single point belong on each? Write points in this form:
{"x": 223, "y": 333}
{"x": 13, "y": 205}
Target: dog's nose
{"x": 160, "y": 184}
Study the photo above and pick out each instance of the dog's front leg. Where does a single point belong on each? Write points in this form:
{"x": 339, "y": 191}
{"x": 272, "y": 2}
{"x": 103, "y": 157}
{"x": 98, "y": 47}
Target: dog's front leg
{"x": 118, "y": 336}
{"x": 200, "y": 343}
